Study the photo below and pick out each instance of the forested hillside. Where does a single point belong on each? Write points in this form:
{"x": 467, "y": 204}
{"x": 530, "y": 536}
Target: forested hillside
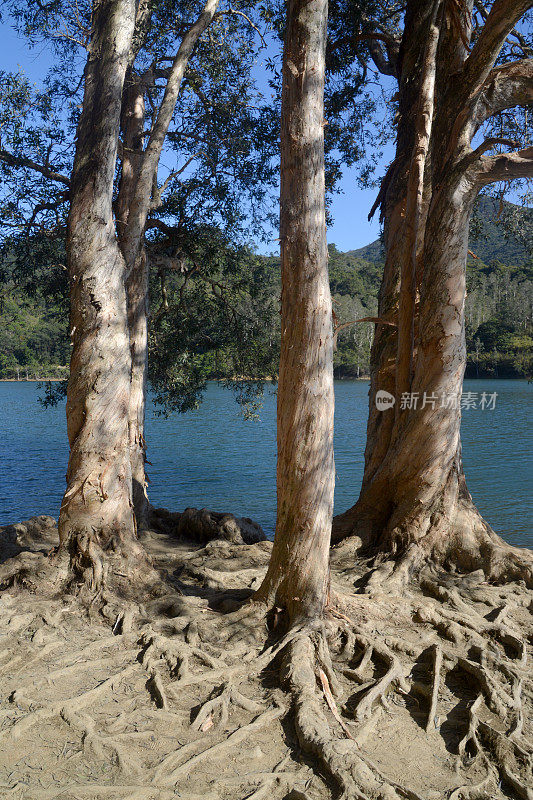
{"x": 197, "y": 324}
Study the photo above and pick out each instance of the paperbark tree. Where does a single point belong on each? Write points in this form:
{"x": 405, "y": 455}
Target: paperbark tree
{"x": 106, "y": 391}
{"x": 414, "y": 504}
{"x": 298, "y": 573}
{"x": 96, "y": 516}
{"x": 297, "y": 579}
{"x": 208, "y": 143}
{"x": 136, "y": 198}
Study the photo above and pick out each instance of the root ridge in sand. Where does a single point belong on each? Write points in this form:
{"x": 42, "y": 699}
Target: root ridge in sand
{"x": 426, "y": 693}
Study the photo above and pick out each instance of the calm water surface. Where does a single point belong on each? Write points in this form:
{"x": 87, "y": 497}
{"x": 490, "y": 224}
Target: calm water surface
{"x": 213, "y": 457}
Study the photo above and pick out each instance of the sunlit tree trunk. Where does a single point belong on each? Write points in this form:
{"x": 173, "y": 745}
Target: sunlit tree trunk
{"x": 298, "y": 575}
{"x": 133, "y": 121}
{"x": 137, "y": 195}
{"x": 414, "y": 504}
{"x": 96, "y": 518}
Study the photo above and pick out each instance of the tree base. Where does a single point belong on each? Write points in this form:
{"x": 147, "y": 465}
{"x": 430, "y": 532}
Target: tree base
{"x": 426, "y": 693}
{"x": 458, "y": 539}
{"x": 30, "y": 555}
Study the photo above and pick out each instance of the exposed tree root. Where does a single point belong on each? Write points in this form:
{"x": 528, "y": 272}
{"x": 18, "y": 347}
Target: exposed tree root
{"x": 99, "y": 792}
{"x": 355, "y": 776}
{"x": 448, "y": 656}
{"x": 279, "y": 777}
{"x": 459, "y": 539}
{"x": 219, "y": 705}
{"x": 202, "y": 526}
{"x": 29, "y": 570}
{"x": 63, "y": 707}
{"x": 170, "y": 770}
{"x": 98, "y": 744}
{"x": 437, "y": 665}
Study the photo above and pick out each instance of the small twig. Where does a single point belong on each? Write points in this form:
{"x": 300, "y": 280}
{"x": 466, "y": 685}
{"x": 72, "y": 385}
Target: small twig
{"x": 332, "y": 705}
{"x": 248, "y": 20}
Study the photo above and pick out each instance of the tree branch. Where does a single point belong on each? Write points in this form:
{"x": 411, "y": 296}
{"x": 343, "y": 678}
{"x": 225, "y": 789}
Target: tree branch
{"x": 386, "y": 66}
{"x": 141, "y": 202}
{"x": 522, "y": 43}
{"x": 27, "y": 163}
{"x": 499, "y": 23}
{"x": 248, "y": 20}
{"x": 386, "y": 63}
{"x": 488, "y": 144}
{"x": 505, "y": 167}
{"x": 51, "y": 205}
{"x": 158, "y": 191}
{"x": 166, "y": 110}
{"x": 159, "y": 225}
{"x": 506, "y": 86}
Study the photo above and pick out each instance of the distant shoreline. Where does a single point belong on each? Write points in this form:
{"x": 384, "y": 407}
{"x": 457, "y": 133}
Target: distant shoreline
{"x": 270, "y": 380}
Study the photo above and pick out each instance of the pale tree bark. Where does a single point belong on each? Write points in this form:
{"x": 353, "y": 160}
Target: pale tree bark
{"x": 392, "y": 198}
{"x": 96, "y": 518}
{"x": 136, "y": 198}
{"x": 414, "y": 504}
{"x": 413, "y": 223}
{"x": 133, "y": 121}
{"x": 298, "y": 574}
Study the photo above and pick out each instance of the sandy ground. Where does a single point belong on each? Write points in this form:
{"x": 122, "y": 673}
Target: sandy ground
{"x": 88, "y": 711}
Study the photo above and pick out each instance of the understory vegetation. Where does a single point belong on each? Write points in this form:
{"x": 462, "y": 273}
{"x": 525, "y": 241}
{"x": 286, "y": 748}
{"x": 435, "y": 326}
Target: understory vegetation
{"x": 225, "y": 324}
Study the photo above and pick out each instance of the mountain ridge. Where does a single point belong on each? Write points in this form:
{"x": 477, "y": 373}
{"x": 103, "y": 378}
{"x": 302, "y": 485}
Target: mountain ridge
{"x": 493, "y": 234}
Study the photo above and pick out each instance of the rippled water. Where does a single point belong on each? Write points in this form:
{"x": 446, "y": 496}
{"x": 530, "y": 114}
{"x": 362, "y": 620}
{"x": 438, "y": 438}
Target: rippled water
{"x": 212, "y": 457}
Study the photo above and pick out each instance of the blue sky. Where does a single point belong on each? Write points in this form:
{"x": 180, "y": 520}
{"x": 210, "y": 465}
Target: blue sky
{"x": 350, "y": 229}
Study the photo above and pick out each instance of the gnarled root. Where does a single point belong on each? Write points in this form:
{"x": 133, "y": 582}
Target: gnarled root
{"x": 355, "y": 776}
{"x": 202, "y": 526}
{"x": 219, "y": 704}
{"x": 492, "y": 656}
{"x": 170, "y": 770}
{"x": 501, "y": 754}
{"x": 449, "y": 533}
{"x": 28, "y": 552}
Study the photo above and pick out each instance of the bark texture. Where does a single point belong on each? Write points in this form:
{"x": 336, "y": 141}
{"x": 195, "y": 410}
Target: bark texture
{"x": 298, "y": 573}
{"x": 132, "y": 123}
{"x": 96, "y": 515}
{"x": 136, "y": 199}
{"x": 414, "y": 504}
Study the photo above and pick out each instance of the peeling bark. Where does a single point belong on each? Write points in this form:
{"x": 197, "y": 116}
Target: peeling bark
{"x": 414, "y": 504}
{"x": 298, "y": 575}
{"x": 133, "y": 119}
{"x": 96, "y": 517}
{"x": 138, "y": 177}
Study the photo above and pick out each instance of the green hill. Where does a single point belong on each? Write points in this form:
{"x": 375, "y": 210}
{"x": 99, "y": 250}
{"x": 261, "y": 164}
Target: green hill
{"x": 502, "y": 232}
{"x": 499, "y": 327}
{"x": 499, "y": 232}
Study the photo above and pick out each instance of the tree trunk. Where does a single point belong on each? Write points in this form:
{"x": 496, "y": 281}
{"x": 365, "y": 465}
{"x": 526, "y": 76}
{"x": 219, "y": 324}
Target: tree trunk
{"x": 96, "y": 517}
{"x": 133, "y": 118}
{"x": 298, "y": 575}
{"x": 138, "y": 178}
{"x": 414, "y": 504}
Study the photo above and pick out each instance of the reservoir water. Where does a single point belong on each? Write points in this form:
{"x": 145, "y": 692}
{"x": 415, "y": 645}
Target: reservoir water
{"x": 214, "y": 458}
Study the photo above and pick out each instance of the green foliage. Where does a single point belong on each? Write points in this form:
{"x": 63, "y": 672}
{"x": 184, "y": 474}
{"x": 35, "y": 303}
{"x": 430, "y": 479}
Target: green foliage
{"x": 216, "y": 317}
{"x": 33, "y": 340}
{"x": 33, "y": 309}
{"x": 215, "y": 313}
